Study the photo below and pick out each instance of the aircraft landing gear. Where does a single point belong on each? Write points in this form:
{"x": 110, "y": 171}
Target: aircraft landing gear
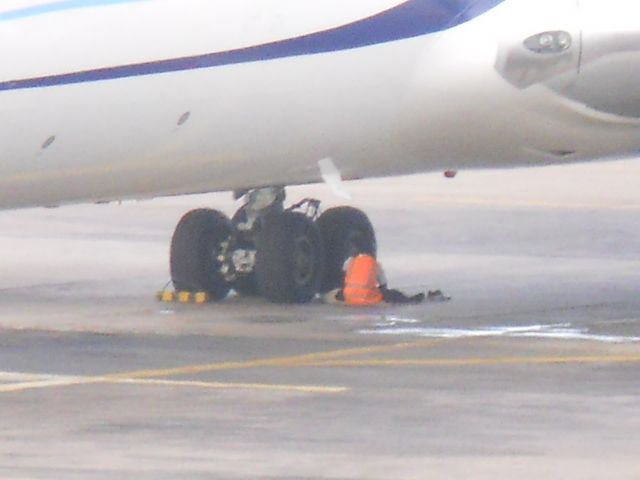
{"x": 285, "y": 255}
{"x": 197, "y": 253}
{"x": 290, "y": 258}
{"x": 345, "y": 232}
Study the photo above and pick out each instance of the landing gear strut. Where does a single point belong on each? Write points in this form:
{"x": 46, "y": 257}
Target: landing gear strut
{"x": 285, "y": 255}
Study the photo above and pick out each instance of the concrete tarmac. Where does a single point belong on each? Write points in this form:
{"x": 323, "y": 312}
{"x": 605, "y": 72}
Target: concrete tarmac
{"x": 531, "y": 371}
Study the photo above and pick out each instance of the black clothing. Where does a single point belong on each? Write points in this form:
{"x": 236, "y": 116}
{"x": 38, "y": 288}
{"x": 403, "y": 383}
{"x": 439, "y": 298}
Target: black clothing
{"x": 396, "y": 296}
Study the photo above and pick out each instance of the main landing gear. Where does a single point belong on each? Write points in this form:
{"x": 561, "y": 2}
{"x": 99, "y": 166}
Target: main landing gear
{"x": 286, "y": 255}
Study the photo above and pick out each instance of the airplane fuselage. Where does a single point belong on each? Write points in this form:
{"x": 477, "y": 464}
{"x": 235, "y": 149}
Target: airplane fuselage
{"x": 107, "y": 100}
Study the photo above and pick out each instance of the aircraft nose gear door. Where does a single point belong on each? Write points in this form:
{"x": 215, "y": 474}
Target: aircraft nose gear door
{"x": 609, "y": 78}
{"x": 541, "y": 44}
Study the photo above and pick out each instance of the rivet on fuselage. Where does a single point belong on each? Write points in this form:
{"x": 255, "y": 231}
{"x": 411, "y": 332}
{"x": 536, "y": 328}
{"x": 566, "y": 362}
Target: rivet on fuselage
{"x": 184, "y": 118}
{"x": 48, "y": 142}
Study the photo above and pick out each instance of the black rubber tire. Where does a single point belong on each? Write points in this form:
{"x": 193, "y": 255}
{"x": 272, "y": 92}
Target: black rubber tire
{"x": 345, "y": 231}
{"x": 246, "y": 285}
{"x": 194, "y": 250}
{"x": 290, "y": 258}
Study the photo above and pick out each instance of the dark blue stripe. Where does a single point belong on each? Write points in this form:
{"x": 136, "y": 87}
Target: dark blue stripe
{"x": 410, "y": 19}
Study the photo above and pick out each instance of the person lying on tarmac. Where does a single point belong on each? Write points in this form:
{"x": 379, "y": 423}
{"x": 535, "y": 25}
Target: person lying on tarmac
{"x": 365, "y": 284}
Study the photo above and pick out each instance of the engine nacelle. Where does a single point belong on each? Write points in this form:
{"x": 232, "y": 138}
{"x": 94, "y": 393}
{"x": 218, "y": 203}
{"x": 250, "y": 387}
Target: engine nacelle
{"x": 586, "y": 50}
{"x": 609, "y": 70}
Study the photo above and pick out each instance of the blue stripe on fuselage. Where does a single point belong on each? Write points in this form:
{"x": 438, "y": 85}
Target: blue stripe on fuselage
{"x": 410, "y": 19}
{"x": 53, "y": 7}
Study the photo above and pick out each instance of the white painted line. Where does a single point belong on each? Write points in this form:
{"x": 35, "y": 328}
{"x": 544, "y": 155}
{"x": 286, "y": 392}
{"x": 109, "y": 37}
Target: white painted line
{"x": 53, "y": 382}
{"x": 39, "y": 381}
{"x": 239, "y": 386}
{"x": 23, "y": 377}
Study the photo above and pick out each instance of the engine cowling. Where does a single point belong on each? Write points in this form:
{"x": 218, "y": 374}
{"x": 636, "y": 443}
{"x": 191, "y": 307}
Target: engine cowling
{"x": 609, "y": 70}
{"x": 586, "y": 50}
{"x": 541, "y": 45}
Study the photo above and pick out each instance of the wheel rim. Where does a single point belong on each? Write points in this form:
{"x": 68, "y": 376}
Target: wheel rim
{"x": 303, "y": 261}
{"x": 215, "y": 250}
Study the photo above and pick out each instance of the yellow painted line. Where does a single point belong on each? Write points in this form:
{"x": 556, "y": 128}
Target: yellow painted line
{"x": 456, "y": 362}
{"x": 471, "y": 362}
{"x": 271, "y": 362}
{"x": 511, "y": 202}
{"x": 153, "y": 375}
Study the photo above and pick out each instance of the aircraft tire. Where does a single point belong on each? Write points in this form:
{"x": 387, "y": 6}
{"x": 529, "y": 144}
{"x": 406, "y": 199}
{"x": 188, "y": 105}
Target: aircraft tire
{"x": 194, "y": 250}
{"x": 247, "y": 286}
{"x": 290, "y": 258}
{"x": 345, "y": 231}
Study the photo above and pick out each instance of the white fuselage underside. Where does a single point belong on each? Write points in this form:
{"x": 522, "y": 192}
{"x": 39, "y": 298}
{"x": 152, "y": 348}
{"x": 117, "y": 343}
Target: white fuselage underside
{"x": 420, "y": 104}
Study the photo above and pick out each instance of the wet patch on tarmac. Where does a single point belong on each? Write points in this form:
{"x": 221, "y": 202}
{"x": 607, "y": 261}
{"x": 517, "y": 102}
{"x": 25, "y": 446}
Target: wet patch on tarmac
{"x": 561, "y": 331}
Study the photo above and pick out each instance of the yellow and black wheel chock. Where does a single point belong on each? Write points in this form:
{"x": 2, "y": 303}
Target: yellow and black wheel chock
{"x": 197, "y": 298}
